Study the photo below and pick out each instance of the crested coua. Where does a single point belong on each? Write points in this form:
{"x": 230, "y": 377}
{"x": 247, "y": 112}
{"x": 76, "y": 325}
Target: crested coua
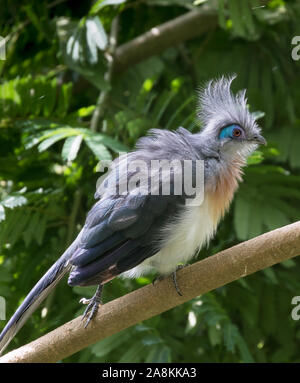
{"x": 143, "y": 229}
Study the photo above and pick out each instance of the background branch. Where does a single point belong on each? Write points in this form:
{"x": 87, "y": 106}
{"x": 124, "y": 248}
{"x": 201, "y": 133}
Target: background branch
{"x": 203, "y": 276}
{"x": 173, "y": 32}
{"x": 155, "y": 41}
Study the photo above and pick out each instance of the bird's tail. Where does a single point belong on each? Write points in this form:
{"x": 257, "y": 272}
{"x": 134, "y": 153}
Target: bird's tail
{"x": 36, "y": 296}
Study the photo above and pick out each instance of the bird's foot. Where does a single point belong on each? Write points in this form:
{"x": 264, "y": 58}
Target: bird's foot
{"x": 92, "y": 306}
{"x": 85, "y": 301}
{"x": 174, "y": 278}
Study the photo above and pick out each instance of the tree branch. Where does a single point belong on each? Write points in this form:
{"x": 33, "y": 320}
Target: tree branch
{"x": 173, "y": 32}
{"x": 203, "y": 276}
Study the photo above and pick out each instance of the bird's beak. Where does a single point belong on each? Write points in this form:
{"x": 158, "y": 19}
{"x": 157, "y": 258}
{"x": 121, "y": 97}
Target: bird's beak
{"x": 259, "y": 139}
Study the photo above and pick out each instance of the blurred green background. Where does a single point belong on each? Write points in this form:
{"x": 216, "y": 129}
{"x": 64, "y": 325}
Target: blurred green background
{"x": 57, "y": 69}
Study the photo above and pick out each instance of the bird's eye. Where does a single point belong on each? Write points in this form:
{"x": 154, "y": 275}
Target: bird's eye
{"x": 231, "y": 131}
{"x": 236, "y": 132}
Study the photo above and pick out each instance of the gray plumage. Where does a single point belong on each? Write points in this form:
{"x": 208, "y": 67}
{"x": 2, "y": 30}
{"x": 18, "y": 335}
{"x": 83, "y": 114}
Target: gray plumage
{"x": 134, "y": 233}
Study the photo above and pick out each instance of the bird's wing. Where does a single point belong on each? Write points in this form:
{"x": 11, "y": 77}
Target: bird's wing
{"x": 120, "y": 233}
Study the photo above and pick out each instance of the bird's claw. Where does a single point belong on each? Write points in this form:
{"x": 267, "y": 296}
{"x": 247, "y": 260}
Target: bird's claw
{"x": 174, "y": 278}
{"x": 84, "y": 301}
{"x": 90, "y": 311}
{"x": 93, "y": 305}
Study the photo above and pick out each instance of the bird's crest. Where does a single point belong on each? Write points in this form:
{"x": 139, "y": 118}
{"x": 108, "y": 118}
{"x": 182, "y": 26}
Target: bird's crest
{"x": 219, "y": 107}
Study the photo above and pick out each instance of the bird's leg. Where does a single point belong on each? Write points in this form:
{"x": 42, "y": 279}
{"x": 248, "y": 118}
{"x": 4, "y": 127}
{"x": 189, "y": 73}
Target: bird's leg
{"x": 175, "y": 283}
{"x": 174, "y": 278}
{"x": 93, "y": 305}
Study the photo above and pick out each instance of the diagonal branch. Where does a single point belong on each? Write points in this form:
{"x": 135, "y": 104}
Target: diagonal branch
{"x": 171, "y": 33}
{"x": 203, "y": 276}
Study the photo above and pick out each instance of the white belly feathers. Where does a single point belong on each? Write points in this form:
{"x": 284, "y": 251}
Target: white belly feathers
{"x": 183, "y": 238}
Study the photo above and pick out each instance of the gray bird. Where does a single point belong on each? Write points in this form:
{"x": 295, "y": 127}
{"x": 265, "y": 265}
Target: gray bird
{"x": 143, "y": 229}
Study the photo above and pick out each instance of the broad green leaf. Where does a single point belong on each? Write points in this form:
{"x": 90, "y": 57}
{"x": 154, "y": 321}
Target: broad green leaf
{"x": 45, "y": 144}
{"x": 76, "y": 56}
{"x": 96, "y": 37}
{"x": 71, "y": 147}
{"x": 95, "y": 144}
{"x": 111, "y": 143}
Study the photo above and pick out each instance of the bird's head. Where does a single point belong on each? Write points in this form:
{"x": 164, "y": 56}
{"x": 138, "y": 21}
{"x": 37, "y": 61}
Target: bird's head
{"x": 229, "y": 128}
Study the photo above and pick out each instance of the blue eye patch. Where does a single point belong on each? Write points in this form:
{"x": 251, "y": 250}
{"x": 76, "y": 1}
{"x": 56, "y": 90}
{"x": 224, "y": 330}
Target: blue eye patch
{"x": 227, "y": 132}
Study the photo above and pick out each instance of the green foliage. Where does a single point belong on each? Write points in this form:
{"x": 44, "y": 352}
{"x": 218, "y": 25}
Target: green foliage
{"x": 41, "y": 135}
{"x": 57, "y": 62}
{"x": 39, "y": 96}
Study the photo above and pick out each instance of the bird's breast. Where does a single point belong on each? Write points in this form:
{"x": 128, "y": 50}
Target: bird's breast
{"x": 221, "y": 188}
{"x": 197, "y": 224}
{"x": 194, "y": 225}
{"x": 188, "y": 232}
